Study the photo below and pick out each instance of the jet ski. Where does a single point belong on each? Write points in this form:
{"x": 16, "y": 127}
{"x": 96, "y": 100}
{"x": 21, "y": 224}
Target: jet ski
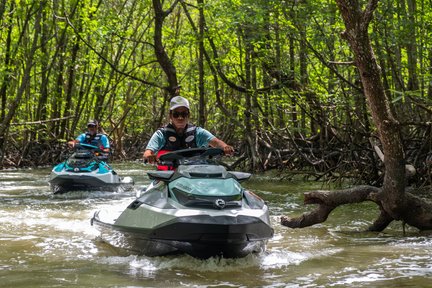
{"x": 199, "y": 208}
{"x": 87, "y": 169}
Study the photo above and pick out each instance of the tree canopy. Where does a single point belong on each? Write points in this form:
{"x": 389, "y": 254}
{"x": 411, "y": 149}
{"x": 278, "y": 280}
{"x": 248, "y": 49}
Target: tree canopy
{"x": 273, "y": 78}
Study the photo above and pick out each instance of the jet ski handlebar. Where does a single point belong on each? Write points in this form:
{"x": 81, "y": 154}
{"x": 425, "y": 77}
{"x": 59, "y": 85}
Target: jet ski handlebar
{"x": 87, "y": 146}
{"x": 177, "y": 157}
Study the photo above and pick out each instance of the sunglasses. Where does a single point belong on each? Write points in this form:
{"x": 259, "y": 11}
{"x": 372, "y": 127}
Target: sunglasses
{"x": 91, "y": 126}
{"x": 184, "y": 114}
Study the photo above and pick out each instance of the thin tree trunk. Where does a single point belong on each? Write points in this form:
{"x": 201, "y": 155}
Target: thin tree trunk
{"x": 13, "y": 106}
{"x": 41, "y": 112}
{"x": 69, "y": 90}
{"x": 413, "y": 83}
{"x": 201, "y": 110}
{"x": 161, "y": 55}
{"x": 7, "y": 61}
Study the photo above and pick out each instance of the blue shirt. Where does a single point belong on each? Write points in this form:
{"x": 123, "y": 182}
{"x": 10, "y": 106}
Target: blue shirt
{"x": 104, "y": 139}
{"x": 202, "y": 138}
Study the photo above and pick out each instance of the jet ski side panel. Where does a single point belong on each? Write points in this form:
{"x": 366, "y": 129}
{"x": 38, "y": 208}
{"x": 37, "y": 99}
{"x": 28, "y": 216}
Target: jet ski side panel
{"x": 153, "y": 231}
{"x": 86, "y": 169}
{"x": 64, "y": 181}
{"x": 199, "y": 236}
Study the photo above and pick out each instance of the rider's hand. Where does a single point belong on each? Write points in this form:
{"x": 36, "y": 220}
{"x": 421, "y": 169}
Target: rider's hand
{"x": 151, "y": 159}
{"x": 149, "y": 156}
{"x": 228, "y": 150}
{"x": 72, "y": 143}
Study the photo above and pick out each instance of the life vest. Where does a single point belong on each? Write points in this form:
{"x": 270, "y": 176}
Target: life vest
{"x": 95, "y": 140}
{"x": 175, "y": 142}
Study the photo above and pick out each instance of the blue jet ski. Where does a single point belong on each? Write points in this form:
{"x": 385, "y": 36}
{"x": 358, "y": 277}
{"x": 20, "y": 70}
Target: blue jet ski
{"x": 199, "y": 209}
{"x": 87, "y": 169}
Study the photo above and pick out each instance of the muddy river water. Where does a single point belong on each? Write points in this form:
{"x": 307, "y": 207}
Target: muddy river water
{"x": 47, "y": 241}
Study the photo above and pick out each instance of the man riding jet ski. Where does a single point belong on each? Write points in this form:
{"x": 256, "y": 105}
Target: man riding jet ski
{"x": 179, "y": 133}
{"x": 199, "y": 209}
{"x": 87, "y": 168}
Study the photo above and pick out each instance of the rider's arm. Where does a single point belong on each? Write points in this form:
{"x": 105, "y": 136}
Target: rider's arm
{"x": 150, "y": 156}
{"x": 79, "y": 139}
{"x": 105, "y": 143}
{"x": 217, "y": 143}
{"x": 205, "y": 139}
{"x": 156, "y": 142}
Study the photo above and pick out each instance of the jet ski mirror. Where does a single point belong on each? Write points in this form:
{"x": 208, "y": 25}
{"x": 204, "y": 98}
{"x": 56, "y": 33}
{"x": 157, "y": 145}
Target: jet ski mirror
{"x": 240, "y": 176}
{"x": 160, "y": 175}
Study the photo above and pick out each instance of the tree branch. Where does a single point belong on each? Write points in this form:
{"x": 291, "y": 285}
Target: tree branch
{"x": 114, "y": 67}
{"x": 368, "y": 13}
{"x": 42, "y": 121}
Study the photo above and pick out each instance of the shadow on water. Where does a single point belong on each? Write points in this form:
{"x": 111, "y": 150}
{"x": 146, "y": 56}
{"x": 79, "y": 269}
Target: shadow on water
{"x": 46, "y": 240}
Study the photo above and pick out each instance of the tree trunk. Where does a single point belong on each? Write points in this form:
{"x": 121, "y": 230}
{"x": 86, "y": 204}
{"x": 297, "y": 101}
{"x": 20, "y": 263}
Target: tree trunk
{"x": 413, "y": 82}
{"x": 41, "y": 112}
{"x": 202, "y": 115}
{"x": 356, "y": 23}
{"x": 6, "y": 63}
{"x": 396, "y": 204}
{"x": 161, "y": 55}
{"x": 69, "y": 90}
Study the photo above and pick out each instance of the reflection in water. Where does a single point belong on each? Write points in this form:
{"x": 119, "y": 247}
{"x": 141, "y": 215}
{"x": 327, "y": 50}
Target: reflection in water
{"x": 47, "y": 241}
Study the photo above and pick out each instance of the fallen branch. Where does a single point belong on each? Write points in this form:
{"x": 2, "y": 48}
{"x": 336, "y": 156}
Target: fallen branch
{"x": 327, "y": 201}
{"x": 416, "y": 212}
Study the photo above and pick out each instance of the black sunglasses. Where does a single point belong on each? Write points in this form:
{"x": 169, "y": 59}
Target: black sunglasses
{"x": 176, "y": 114}
{"x": 91, "y": 125}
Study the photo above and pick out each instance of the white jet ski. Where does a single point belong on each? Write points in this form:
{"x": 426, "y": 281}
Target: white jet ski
{"x": 199, "y": 209}
{"x": 87, "y": 169}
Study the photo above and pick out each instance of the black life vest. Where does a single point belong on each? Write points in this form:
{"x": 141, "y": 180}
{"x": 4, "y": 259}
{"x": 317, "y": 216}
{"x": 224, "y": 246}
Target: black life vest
{"x": 95, "y": 140}
{"x": 173, "y": 141}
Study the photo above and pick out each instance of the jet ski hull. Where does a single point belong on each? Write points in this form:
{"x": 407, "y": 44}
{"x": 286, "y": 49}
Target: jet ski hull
{"x": 86, "y": 169}
{"x": 200, "y": 236}
{"x": 101, "y": 179}
{"x": 65, "y": 182}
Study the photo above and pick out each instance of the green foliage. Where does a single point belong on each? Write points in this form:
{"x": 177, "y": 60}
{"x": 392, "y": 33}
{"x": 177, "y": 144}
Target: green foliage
{"x": 97, "y": 59}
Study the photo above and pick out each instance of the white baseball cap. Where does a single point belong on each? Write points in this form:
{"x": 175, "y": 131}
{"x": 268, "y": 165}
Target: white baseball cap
{"x": 178, "y": 101}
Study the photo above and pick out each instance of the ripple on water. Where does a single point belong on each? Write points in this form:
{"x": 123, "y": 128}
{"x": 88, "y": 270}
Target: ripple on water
{"x": 95, "y": 194}
{"x": 271, "y": 259}
{"x": 213, "y": 264}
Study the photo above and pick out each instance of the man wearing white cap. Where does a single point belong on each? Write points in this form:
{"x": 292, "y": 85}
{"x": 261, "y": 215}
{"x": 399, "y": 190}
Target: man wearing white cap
{"x": 180, "y": 134}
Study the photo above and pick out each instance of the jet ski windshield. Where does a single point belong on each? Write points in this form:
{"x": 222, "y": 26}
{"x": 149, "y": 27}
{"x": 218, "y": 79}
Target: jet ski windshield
{"x": 199, "y": 180}
{"x": 204, "y": 192}
{"x": 191, "y": 156}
